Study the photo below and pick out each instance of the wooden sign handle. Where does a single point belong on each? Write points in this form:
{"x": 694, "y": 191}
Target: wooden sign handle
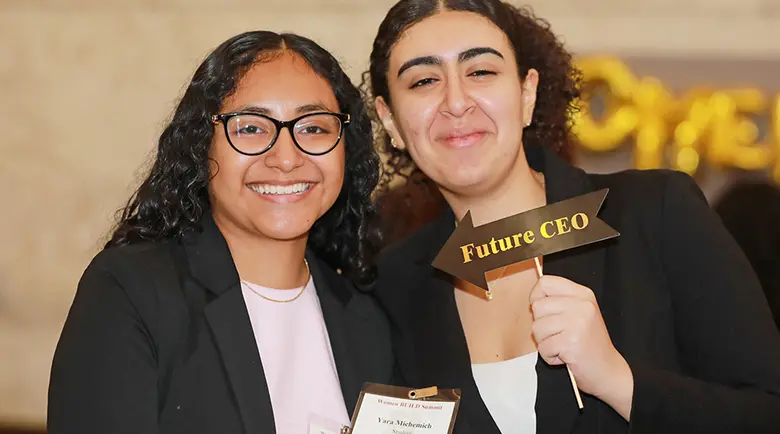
{"x": 571, "y": 376}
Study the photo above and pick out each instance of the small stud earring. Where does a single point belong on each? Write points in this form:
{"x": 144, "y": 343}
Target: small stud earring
{"x": 392, "y": 143}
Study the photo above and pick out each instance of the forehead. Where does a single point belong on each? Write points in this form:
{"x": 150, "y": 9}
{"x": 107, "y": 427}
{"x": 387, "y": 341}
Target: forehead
{"x": 284, "y": 78}
{"x": 447, "y": 34}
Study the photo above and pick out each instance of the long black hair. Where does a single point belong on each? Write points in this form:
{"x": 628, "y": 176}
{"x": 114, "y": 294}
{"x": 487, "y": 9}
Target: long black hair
{"x": 173, "y": 198}
{"x": 535, "y": 46}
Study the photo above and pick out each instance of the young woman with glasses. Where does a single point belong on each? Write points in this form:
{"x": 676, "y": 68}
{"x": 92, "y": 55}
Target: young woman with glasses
{"x": 226, "y": 301}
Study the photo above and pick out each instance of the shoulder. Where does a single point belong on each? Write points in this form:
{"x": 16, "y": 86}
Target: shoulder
{"x": 647, "y": 194}
{"x": 406, "y": 250}
{"x": 402, "y": 265}
{"x": 133, "y": 262}
{"x": 135, "y": 273}
{"x": 130, "y": 256}
{"x": 651, "y": 185}
{"x": 340, "y": 285}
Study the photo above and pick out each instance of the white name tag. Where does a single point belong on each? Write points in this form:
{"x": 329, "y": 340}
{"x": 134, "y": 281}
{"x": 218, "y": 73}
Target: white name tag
{"x": 395, "y": 410}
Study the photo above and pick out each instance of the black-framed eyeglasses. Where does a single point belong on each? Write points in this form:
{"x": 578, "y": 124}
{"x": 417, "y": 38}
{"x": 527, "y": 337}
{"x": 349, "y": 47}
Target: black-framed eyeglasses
{"x": 253, "y": 133}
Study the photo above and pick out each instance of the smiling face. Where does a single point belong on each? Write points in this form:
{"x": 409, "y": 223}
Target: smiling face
{"x": 282, "y": 192}
{"x": 458, "y": 105}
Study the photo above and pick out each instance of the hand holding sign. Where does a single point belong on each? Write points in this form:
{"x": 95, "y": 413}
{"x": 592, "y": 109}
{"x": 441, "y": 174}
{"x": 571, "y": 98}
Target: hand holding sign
{"x": 569, "y": 329}
{"x": 471, "y": 251}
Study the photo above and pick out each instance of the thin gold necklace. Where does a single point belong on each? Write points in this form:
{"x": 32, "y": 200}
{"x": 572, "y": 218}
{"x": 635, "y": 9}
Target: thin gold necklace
{"x": 308, "y": 274}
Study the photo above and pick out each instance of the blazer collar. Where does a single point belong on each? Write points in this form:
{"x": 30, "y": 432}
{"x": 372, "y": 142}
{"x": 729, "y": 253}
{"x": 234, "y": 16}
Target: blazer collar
{"x": 440, "y": 343}
{"x": 211, "y": 267}
{"x": 211, "y": 263}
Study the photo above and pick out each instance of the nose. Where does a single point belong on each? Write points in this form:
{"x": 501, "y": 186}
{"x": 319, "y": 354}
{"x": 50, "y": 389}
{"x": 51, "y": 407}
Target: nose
{"x": 457, "y": 101}
{"x": 284, "y": 155}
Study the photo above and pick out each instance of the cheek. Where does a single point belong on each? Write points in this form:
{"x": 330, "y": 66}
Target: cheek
{"x": 332, "y": 168}
{"x": 506, "y": 114}
{"x": 416, "y": 124}
{"x": 227, "y": 169}
{"x": 502, "y": 103}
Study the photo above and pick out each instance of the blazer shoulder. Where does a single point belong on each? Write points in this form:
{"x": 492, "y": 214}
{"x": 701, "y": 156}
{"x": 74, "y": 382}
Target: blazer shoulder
{"x": 645, "y": 191}
{"x": 135, "y": 261}
{"x": 403, "y": 251}
{"x": 143, "y": 272}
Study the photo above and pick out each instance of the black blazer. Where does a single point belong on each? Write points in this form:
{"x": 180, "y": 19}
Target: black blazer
{"x": 158, "y": 340}
{"x": 679, "y": 299}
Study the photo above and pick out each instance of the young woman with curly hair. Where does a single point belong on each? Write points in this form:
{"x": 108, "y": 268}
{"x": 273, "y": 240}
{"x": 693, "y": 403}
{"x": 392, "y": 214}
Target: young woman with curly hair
{"x": 664, "y": 328}
{"x": 226, "y": 301}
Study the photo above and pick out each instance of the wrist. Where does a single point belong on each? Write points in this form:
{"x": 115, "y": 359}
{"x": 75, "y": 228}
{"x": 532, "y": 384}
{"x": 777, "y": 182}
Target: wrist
{"x": 619, "y": 394}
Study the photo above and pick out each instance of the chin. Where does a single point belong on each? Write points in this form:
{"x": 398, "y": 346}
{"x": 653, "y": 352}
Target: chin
{"x": 287, "y": 231}
{"x": 467, "y": 179}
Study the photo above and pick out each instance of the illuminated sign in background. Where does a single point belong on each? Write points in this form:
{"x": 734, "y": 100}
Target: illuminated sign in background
{"x": 683, "y": 131}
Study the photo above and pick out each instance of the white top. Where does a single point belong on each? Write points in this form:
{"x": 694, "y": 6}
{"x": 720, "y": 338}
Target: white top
{"x": 297, "y": 359}
{"x": 508, "y": 389}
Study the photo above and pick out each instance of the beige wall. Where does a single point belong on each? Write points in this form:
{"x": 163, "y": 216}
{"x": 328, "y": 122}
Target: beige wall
{"x": 85, "y": 86}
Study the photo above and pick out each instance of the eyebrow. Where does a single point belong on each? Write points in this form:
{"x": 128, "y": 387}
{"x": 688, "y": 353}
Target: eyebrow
{"x": 435, "y": 60}
{"x": 306, "y": 108}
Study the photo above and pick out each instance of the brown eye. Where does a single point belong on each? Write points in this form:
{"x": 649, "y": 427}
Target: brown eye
{"x": 482, "y": 72}
{"x": 423, "y": 82}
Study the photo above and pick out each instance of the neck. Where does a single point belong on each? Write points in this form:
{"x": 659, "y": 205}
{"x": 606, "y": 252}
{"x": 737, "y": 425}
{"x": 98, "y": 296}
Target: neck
{"x": 271, "y": 263}
{"x": 521, "y": 191}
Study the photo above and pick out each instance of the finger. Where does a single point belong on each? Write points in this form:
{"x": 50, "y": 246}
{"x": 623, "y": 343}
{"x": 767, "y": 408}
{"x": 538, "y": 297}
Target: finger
{"x": 556, "y": 305}
{"x": 537, "y": 292}
{"x": 548, "y": 326}
{"x": 559, "y": 286}
{"x": 551, "y": 349}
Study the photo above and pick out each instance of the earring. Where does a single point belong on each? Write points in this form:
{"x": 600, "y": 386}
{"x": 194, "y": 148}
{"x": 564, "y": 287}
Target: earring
{"x": 392, "y": 143}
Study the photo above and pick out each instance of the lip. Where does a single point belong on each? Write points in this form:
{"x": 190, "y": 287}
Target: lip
{"x": 462, "y": 139}
{"x": 281, "y": 198}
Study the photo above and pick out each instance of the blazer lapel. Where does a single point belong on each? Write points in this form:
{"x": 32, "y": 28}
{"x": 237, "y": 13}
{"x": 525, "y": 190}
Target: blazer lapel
{"x": 440, "y": 348}
{"x": 211, "y": 265}
{"x": 229, "y": 321}
{"x": 334, "y": 299}
{"x": 358, "y": 332}
{"x": 556, "y": 405}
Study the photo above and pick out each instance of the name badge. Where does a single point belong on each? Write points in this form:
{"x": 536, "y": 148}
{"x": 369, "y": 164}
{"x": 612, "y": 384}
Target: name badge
{"x": 385, "y": 409}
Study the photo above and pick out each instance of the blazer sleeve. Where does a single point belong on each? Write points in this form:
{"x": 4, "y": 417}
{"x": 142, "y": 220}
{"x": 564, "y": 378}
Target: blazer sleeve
{"x": 103, "y": 377}
{"x": 728, "y": 345}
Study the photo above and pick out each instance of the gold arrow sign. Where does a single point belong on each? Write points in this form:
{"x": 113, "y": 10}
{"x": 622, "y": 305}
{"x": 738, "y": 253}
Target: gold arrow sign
{"x": 472, "y": 251}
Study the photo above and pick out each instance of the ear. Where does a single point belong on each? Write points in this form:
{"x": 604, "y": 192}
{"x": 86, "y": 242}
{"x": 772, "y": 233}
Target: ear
{"x": 386, "y": 116}
{"x": 530, "y": 84}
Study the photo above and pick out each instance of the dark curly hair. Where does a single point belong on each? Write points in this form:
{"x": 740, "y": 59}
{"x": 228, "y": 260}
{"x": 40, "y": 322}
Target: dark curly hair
{"x": 535, "y": 46}
{"x": 173, "y": 198}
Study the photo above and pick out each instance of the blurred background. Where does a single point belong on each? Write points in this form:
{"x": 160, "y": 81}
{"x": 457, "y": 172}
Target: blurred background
{"x": 86, "y": 86}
